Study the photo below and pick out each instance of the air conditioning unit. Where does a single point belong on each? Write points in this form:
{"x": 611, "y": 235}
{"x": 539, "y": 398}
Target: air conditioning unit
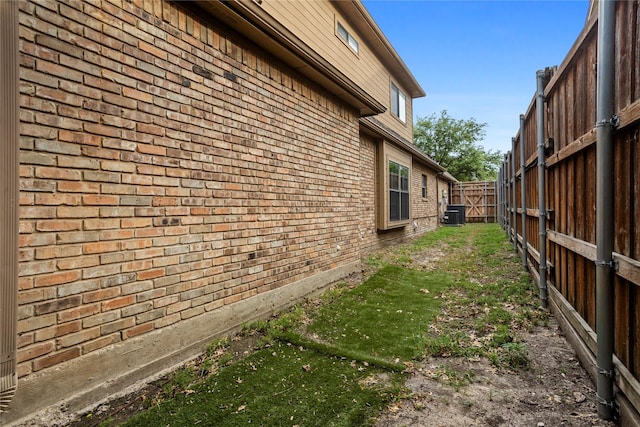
{"x": 461, "y": 213}
{"x": 451, "y": 218}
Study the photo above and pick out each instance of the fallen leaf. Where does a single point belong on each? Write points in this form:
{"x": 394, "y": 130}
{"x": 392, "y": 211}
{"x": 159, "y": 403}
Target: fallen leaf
{"x": 306, "y": 368}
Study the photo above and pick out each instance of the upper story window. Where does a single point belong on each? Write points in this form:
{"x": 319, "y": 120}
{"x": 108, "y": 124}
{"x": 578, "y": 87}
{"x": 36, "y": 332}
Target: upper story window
{"x": 348, "y": 38}
{"x": 398, "y": 103}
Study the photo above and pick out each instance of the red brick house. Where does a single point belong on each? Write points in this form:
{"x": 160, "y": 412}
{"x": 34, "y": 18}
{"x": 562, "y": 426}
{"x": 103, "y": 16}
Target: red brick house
{"x": 185, "y": 168}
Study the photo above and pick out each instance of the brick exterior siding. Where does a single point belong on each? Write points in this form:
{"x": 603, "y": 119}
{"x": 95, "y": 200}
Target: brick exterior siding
{"x": 423, "y": 211}
{"x": 167, "y": 170}
{"x": 171, "y": 172}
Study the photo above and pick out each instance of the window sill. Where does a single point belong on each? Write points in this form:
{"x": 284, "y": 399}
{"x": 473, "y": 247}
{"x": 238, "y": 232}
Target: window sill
{"x": 395, "y": 224}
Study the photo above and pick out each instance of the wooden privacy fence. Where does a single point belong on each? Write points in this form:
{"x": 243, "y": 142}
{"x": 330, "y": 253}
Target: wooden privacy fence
{"x": 479, "y": 199}
{"x": 569, "y": 140}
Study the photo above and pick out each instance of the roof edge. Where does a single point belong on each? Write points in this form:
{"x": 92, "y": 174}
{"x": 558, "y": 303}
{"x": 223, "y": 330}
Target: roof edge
{"x": 377, "y": 128}
{"x": 293, "y": 51}
{"x": 365, "y": 23}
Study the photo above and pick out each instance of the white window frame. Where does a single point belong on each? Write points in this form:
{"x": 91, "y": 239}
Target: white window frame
{"x": 399, "y": 187}
{"x": 398, "y": 103}
{"x": 344, "y": 35}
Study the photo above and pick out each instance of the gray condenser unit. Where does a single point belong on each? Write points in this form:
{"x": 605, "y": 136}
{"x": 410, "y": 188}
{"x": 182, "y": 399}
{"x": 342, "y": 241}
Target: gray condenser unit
{"x": 455, "y": 215}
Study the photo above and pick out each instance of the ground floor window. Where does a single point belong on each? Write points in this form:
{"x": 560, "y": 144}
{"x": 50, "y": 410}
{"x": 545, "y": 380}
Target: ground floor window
{"x": 393, "y": 186}
{"x": 398, "y": 192}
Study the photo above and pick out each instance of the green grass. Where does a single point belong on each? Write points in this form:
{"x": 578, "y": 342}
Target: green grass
{"x": 386, "y": 316}
{"x": 338, "y": 360}
{"x": 494, "y": 300}
{"x": 281, "y": 385}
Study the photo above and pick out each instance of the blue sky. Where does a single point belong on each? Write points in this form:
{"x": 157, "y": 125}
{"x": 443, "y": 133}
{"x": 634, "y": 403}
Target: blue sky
{"x": 478, "y": 59}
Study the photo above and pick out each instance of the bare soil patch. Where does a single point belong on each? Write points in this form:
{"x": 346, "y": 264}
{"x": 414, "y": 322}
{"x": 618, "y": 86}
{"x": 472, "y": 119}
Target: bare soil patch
{"x": 554, "y": 391}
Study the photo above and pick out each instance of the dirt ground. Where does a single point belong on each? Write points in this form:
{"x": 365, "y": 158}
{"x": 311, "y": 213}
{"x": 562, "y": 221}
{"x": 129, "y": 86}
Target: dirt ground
{"x": 554, "y": 391}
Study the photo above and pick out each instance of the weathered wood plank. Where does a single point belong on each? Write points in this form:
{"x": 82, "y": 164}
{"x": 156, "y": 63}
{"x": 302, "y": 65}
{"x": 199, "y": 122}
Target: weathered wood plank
{"x": 623, "y": 37}
{"x": 575, "y": 147}
{"x": 622, "y": 185}
{"x": 629, "y": 115}
{"x": 590, "y": 292}
{"x": 635, "y": 234}
{"x": 625, "y": 379}
{"x": 636, "y": 56}
{"x": 581, "y": 126}
{"x": 582, "y": 248}
{"x": 580, "y": 201}
{"x": 570, "y": 105}
{"x": 590, "y": 195}
{"x": 581, "y": 300}
{"x": 634, "y": 338}
{"x": 628, "y": 268}
{"x": 621, "y": 320}
{"x": 560, "y": 136}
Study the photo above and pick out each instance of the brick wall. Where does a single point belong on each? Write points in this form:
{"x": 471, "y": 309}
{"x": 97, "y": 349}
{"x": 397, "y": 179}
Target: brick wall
{"x": 368, "y": 193}
{"x": 167, "y": 170}
{"x": 423, "y": 211}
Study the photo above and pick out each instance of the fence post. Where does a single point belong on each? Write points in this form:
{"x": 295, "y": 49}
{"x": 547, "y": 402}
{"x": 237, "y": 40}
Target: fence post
{"x": 604, "y": 207}
{"x": 499, "y": 196}
{"x": 514, "y": 208}
{"x": 523, "y": 191}
{"x": 542, "y": 211}
{"x": 507, "y": 201}
{"x": 485, "y": 203}
{"x": 495, "y": 201}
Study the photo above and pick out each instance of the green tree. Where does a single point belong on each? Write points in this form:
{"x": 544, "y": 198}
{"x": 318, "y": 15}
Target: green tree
{"x": 454, "y": 144}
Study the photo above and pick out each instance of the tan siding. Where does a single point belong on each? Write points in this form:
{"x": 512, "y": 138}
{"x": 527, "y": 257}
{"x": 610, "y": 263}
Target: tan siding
{"x": 314, "y": 23}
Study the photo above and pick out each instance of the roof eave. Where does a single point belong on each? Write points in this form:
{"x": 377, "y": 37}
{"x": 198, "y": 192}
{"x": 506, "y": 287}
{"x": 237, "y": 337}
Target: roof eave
{"x": 367, "y": 27}
{"x": 250, "y": 20}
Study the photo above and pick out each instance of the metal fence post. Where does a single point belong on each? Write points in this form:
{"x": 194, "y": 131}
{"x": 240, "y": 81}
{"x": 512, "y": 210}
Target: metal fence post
{"x": 523, "y": 192}
{"x": 514, "y": 208}
{"x": 604, "y": 207}
{"x": 542, "y": 220}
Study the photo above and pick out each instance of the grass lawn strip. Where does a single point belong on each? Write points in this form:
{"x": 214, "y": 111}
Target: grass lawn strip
{"x": 338, "y": 362}
{"x": 281, "y": 385}
{"x": 387, "y": 316}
